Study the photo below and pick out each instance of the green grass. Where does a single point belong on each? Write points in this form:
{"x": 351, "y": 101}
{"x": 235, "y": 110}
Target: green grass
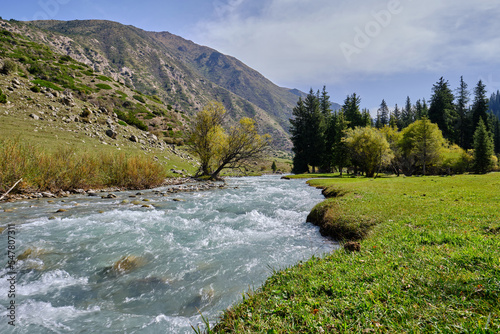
{"x": 429, "y": 263}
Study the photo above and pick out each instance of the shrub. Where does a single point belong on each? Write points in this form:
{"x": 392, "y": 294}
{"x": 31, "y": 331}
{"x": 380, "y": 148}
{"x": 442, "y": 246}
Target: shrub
{"x": 139, "y": 98}
{"x": 104, "y": 78}
{"x": 35, "y": 89}
{"x": 103, "y": 86}
{"x": 65, "y": 58}
{"x": 3, "y": 97}
{"x": 9, "y": 67}
{"x": 47, "y": 84}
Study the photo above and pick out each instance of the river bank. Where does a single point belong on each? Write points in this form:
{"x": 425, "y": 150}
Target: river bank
{"x": 428, "y": 263}
{"x": 175, "y": 185}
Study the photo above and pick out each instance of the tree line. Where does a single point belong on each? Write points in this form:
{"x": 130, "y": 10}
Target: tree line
{"x": 450, "y": 133}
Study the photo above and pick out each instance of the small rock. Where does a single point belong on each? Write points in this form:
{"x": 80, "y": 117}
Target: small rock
{"x": 35, "y": 117}
{"x": 134, "y": 139}
{"x": 178, "y": 200}
{"x": 52, "y": 218}
{"x": 111, "y": 196}
{"x": 62, "y": 210}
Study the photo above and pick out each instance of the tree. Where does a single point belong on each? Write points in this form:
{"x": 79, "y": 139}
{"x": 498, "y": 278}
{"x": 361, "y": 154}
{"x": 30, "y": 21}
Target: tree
{"x": 274, "y": 167}
{"x": 351, "y": 111}
{"x": 422, "y": 141}
{"x": 407, "y": 113}
{"x": 464, "y": 121}
{"x": 383, "y": 111}
{"x": 369, "y": 149}
{"x": 205, "y": 131}
{"x": 480, "y": 106}
{"x": 217, "y": 149}
{"x": 393, "y": 136}
{"x": 483, "y": 149}
{"x": 442, "y": 110}
{"x": 340, "y": 156}
{"x": 307, "y": 133}
{"x": 397, "y": 117}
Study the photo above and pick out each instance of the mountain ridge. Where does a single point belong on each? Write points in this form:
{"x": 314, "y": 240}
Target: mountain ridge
{"x": 181, "y": 72}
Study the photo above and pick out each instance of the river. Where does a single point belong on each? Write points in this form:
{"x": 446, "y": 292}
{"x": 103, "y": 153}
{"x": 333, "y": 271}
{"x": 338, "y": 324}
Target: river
{"x": 114, "y": 266}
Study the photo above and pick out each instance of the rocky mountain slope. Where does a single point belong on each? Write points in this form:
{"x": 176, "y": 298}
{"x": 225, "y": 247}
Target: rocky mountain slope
{"x": 178, "y": 72}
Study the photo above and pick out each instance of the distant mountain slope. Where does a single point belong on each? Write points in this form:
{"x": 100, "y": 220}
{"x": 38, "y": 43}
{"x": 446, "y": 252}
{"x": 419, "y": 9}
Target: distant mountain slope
{"x": 180, "y": 72}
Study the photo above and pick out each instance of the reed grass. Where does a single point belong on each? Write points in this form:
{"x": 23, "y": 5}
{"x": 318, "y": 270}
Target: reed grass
{"x": 67, "y": 169}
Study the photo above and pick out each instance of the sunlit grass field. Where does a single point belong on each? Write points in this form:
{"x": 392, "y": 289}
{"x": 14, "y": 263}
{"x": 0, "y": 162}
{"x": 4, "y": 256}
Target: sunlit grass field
{"x": 429, "y": 263}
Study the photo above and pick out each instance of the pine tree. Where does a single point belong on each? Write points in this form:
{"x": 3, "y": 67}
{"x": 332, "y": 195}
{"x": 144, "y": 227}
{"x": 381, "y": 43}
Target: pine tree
{"x": 340, "y": 149}
{"x": 384, "y": 114}
{"x": 299, "y": 124}
{"x": 480, "y": 105}
{"x": 397, "y": 116}
{"x": 328, "y": 130}
{"x": 351, "y": 111}
{"x": 442, "y": 111}
{"x": 483, "y": 149}
{"x": 366, "y": 118}
{"x": 463, "y": 129}
{"x": 307, "y": 133}
{"x": 407, "y": 113}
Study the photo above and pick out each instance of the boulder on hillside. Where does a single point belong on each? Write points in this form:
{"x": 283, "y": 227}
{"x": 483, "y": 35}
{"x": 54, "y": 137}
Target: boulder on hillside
{"x": 111, "y": 133}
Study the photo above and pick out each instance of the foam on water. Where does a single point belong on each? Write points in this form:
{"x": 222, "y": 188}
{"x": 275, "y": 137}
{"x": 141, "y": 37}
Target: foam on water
{"x": 197, "y": 254}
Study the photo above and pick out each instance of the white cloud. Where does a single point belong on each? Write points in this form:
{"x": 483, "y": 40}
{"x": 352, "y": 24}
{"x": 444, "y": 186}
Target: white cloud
{"x": 295, "y": 40}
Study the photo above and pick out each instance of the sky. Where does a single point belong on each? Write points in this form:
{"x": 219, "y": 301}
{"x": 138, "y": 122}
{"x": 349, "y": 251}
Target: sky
{"x": 378, "y": 49}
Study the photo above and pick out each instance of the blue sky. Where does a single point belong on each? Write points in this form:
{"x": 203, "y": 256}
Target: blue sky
{"x": 380, "y": 49}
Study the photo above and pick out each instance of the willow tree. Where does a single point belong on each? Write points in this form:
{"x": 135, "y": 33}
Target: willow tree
{"x": 369, "y": 149}
{"x": 423, "y": 142}
{"x": 217, "y": 148}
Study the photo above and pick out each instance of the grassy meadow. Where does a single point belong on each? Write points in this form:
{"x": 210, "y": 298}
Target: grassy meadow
{"x": 429, "y": 262}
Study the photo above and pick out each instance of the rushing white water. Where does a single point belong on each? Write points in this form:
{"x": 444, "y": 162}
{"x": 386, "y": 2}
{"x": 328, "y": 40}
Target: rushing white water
{"x": 200, "y": 253}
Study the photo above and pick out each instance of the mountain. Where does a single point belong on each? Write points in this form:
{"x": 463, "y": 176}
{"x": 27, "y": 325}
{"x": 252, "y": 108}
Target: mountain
{"x": 178, "y": 72}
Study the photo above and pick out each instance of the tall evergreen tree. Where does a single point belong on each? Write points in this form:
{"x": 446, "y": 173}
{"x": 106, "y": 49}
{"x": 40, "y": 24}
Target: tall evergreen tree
{"x": 328, "y": 129}
{"x": 366, "y": 118}
{"x": 307, "y": 133}
{"x": 442, "y": 110}
{"x": 384, "y": 114}
{"x": 351, "y": 111}
{"x": 483, "y": 149}
{"x": 495, "y": 103}
{"x": 407, "y": 113}
{"x": 463, "y": 125}
{"x": 341, "y": 157}
{"x": 298, "y": 130}
{"x": 480, "y": 105}
{"x": 397, "y": 116}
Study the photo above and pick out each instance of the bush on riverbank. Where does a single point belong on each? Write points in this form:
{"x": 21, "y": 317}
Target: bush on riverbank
{"x": 69, "y": 170}
{"x": 431, "y": 264}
